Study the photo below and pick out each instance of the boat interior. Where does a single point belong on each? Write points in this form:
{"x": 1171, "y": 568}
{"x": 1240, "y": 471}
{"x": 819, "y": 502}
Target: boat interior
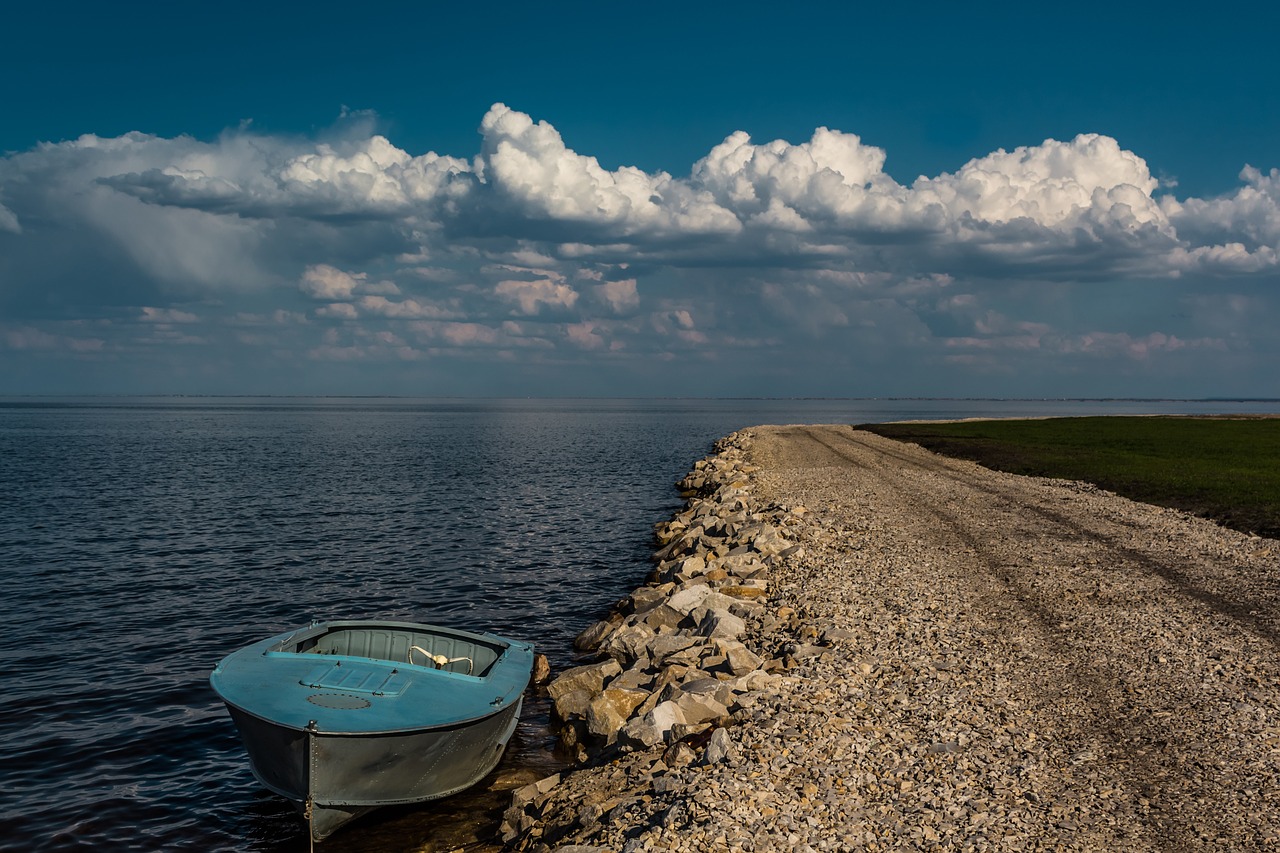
{"x": 443, "y": 650}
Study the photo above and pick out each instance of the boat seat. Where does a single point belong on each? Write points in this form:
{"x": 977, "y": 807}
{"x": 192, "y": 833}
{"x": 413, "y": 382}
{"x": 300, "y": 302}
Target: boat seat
{"x": 467, "y": 657}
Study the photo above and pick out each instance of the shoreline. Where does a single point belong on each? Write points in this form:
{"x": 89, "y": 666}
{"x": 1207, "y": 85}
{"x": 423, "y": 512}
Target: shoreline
{"x": 940, "y": 656}
{"x": 682, "y": 660}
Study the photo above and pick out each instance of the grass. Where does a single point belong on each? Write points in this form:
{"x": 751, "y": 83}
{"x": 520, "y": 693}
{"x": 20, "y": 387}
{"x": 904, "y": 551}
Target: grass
{"x": 1226, "y": 469}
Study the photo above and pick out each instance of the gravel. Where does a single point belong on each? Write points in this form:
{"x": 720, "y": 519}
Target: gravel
{"x": 965, "y": 660}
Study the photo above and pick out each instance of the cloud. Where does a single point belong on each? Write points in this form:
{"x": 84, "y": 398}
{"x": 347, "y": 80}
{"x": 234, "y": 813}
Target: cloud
{"x": 1233, "y": 228}
{"x": 832, "y": 178}
{"x": 167, "y": 315}
{"x": 1065, "y": 207}
{"x": 527, "y": 170}
{"x": 405, "y": 309}
{"x": 31, "y": 338}
{"x": 1089, "y": 182}
{"x": 9, "y": 221}
{"x": 531, "y": 296}
{"x": 527, "y": 247}
{"x": 338, "y": 311}
{"x": 1136, "y": 347}
{"x": 584, "y": 335}
{"x": 325, "y": 282}
{"x": 621, "y": 296}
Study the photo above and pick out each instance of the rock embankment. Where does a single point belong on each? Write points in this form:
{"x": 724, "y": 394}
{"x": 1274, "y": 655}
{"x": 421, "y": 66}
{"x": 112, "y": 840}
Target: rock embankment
{"x": 853, "y": 644}
{"x": 681, "y": 659}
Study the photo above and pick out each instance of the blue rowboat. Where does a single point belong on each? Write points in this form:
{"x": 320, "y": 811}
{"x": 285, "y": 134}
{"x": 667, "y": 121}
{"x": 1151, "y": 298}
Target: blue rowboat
{"x": 345, "y": 716}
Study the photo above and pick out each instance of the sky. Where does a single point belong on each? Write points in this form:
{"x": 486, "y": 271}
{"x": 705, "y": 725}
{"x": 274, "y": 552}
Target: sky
{"x": 660, "y": 199}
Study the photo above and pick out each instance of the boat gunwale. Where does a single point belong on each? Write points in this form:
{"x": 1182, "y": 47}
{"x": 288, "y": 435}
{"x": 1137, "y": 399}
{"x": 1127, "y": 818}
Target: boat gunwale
{"x": 319, "y": 629}
{"x": 443, "y": 727}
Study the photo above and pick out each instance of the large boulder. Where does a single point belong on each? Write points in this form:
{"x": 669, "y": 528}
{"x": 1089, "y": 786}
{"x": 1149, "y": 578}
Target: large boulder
{"x": 609, "y": 710}
{"x": 591, "y": 678}
{"x": 721, "y": 625}
{"x": 690, "y": 598}
{"x": 592, "y": 637}
{"x": 661, "y": 647}
{"x": 654, "y": 727}
{"x": 627, "y": 644}
{"x": 699, "y": 708}
{"x": 663, "y": 616}
{"x": 739, "y": 660}
{"x": 572, "y": 704}
{"x": 646, "y": 598}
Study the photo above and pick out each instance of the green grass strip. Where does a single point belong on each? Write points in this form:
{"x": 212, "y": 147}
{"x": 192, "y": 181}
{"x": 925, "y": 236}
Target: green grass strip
{"x": 1226, "y": 469}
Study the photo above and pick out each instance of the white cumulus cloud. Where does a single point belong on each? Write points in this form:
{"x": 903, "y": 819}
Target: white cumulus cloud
{"x": 358, "y": 250}
{"x": 532, "y": 296}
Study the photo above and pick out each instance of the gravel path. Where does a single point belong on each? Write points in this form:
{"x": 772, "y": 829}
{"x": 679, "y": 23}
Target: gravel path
{"x": 975, "y": 661}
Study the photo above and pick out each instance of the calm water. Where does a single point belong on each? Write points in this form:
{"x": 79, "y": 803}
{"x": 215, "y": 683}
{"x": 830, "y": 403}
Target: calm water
{"x": 143, "y": 539}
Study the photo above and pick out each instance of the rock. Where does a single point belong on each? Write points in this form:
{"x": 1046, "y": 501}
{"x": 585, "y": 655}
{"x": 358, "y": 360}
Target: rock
{"x": 760, "y": 680}
{"x": 572, "y": 704}
{"x": 741, "y": 565}
{"x": 590, "y": 639}
{"x": 653, "y": 727}
{"x": 801, "y": 651}
{"x": 663, "y": 616}
{"x": 636, "y": 678}
{"x": 676, "y": 673}
{"x": 690, "y": 598}
{"x": 689, "y": 657}
{"x": 512, "y": 779}
{"x": 719, "y": 749}
{"x": 591, "y": 678}
{"x": 748, "y": 593}
{"x": 838, "y": 635}
{"x": 721, "y": 624}
{"x": 703, "y": 686}
{"x": 541, "y": 669}
{"x": 769, "y": 541}
{"x": 646, "y": 598}
{"x": 714, "y": 663}
{"x": 741, "y": 660}
{"x": 679, "y": 754}
{"x": 694, "y": 734}
{"x": 693, "y": 566}
{"x": 660, "y": 647}
{"x": 628, "y": 643}
{"x": 609, "y": 710}
{"x": 696, "y": 708}
{"x": 533, "y": 791}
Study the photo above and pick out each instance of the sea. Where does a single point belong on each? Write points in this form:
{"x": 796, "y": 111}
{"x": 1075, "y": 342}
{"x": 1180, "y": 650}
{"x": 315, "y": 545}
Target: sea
{"x": 144, "y": 538}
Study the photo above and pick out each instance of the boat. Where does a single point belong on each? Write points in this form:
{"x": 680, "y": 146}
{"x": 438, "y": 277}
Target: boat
{"x": 344, "y": 716}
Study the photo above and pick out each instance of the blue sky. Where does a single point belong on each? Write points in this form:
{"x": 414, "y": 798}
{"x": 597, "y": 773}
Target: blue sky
{"x": 713, "y": 199}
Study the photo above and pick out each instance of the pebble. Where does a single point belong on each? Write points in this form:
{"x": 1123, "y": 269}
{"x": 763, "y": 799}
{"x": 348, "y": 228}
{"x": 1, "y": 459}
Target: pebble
{"x": 940, "y": 657}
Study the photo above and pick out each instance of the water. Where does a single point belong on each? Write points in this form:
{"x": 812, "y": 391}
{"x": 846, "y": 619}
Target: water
{"x": 143, "y": 539}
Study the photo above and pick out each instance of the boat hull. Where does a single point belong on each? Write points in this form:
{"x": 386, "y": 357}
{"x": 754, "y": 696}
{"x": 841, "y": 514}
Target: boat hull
{"x": 340, "y": 718}
{"x": 332, "y": 778}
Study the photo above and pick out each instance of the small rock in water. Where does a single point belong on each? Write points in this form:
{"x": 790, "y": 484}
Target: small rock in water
{"x": 541, "y": 669}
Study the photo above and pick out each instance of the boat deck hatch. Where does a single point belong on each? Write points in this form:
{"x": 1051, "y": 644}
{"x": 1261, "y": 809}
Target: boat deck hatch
{"x": 340, "y": 701}
{"x": 356, "y": 678}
